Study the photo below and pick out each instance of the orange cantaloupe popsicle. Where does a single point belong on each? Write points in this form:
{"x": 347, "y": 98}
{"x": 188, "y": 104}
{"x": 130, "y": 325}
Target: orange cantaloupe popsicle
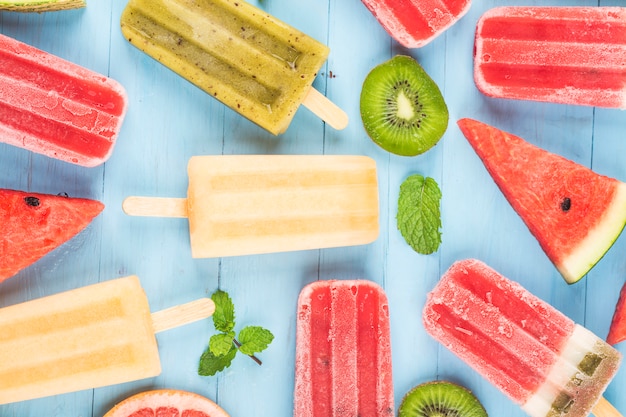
{"x": 93, "y": 336}
{"x": 253, "y": 204}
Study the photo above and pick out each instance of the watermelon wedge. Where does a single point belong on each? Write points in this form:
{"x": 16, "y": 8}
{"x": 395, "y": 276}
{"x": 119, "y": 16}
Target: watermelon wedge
{"x": 574, "y": 213}
{"x": 35, "y": 224}
{"x": 617, "y": 331}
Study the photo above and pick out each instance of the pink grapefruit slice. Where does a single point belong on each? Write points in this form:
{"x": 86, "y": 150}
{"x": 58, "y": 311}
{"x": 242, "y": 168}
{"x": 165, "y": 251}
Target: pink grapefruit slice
{"x": 166, "y": 403}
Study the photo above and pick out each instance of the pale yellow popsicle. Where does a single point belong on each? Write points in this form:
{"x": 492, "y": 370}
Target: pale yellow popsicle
{"x": 90, "y": 337}
{"x": 254, "y": 63}
{"x": 252, "y": 204}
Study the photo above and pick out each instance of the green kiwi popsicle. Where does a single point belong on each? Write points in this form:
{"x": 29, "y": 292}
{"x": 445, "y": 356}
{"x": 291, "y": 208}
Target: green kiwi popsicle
{"x": 40, "y": 5}
{"x": 255, "y": 64}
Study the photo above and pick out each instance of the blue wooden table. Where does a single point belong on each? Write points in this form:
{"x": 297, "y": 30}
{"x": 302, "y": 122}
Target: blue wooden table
{"x": 169, "y": 120}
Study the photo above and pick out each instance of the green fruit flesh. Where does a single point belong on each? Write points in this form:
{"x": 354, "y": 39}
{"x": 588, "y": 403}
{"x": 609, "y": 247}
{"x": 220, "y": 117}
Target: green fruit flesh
{"x": 440, "y": 399}
{"x": 402, "y": 109}
{"x": 40, "y": 5}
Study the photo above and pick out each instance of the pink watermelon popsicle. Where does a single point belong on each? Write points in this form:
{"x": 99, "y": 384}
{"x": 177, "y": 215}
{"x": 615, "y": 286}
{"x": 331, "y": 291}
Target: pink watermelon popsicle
{"x": 574, "y": 213}
{"x": 343, "y": 351}
{"x": 415, "y": 23}
{"x": 35, "y": 224}
{"x": 534, "y": 354}
{"x": 570, "y": 55}
{"x": 57, "y": 108}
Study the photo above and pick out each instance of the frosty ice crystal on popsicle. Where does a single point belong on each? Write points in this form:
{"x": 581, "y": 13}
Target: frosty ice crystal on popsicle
{"x": 343, "y": 350}
{"x": 569, "y": 55}
{"x": 56, "y": 108}
{"x": 533, "y": 353}
{"x": 415, "y": 23}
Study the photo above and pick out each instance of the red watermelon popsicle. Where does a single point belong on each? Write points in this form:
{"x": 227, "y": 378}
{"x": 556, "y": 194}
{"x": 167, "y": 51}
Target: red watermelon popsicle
{"x": 35, "y": 224}
{"x": 533, "y": 353}
{"x": 57, "y": 108}
{"x": 343, "y": 351}
{"x": 570, "y": 55}
{"x": 415, "y": 23}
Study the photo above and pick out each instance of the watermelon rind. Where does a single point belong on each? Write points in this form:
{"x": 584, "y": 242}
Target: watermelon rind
{"x": 40, "y": 5}
{"x": 598, "y": 241}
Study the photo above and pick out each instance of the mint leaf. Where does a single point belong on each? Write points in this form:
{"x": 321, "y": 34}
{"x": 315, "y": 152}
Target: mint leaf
{"x": 220, "y": 344}
{"x": 419, "y": 216}
{"x": 254, "y": 339}
{"x": 223, "y": 347}
{"x": 224, "y": 315}
{"x": 211, "y": 364}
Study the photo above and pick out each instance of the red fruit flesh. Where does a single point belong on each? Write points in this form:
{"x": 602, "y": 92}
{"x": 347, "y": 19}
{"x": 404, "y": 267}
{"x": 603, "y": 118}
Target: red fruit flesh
{"x": 617, "y": 331}
{"x": 35, "y": 224}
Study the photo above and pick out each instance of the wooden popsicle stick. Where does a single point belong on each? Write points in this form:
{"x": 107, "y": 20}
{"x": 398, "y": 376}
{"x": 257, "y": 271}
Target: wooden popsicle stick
{"x": 183, "y": 314}
{"x": 325, "y": 109}
{"x": 605, "y": 409}
{"x": 155, "y": 207}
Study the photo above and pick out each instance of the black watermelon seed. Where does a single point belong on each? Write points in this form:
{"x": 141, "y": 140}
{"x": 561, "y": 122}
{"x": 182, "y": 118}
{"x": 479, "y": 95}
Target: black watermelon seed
{"x": 32, "y": 201}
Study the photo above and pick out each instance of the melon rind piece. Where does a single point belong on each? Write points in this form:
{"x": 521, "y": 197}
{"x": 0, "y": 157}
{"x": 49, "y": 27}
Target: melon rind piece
{"x": 598, "y": 241}
{"x": 40, "y": 5}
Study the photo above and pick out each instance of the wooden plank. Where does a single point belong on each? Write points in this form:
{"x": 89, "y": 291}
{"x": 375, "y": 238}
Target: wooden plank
{"x": 169, "y": 120}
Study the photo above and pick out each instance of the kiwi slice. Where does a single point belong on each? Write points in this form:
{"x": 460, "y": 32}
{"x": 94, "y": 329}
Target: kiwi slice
{"x": 402, "y": 108}
{"x": 440, "y": 399}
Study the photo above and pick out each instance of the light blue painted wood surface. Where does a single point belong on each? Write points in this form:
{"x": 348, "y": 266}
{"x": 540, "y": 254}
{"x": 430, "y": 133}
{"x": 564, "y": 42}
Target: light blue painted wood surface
{"x": 169, "y": 120}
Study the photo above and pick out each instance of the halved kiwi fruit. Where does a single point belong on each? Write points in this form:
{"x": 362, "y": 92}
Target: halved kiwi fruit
{"x": 440, "y": 399}
{"x": 402, "y": 109}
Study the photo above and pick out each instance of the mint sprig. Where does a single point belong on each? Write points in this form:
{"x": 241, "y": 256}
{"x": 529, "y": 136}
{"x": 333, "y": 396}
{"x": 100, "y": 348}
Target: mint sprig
{"x": 211, "y": 364}
{"x": 254, "y": 339}
{"x": 223, "y": 347}
{"x": 419, "y": 216}
{"x": 224, "y": 315}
